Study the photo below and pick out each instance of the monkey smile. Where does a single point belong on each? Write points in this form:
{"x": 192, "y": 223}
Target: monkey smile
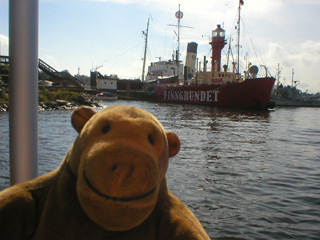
{"x": 116, "y": 199}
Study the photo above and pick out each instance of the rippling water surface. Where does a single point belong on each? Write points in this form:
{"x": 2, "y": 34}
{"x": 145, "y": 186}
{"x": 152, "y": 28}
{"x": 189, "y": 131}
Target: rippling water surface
{"x": 245, "y": 174}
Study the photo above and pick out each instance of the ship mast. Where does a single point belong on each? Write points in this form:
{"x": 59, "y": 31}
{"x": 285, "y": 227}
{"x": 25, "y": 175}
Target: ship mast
{"x": 238, "y": 34}
{"x": 145, "y": 49}
{"x": 179, "y": 16}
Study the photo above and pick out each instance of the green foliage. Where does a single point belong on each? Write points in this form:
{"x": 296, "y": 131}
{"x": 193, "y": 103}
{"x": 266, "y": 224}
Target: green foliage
{"x": 4, "y": 69}
{"x": 3, "y": 96}
{"x": 61, "y": 94}
{"x": 43, "y": 76}
{"x": 51, "y": 95}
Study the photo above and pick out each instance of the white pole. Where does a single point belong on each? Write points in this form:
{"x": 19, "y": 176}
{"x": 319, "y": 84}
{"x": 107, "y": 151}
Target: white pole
{"x": 23, "y": 89}
{"x": 145, "y": 51}
{"x": 238, "y": 35}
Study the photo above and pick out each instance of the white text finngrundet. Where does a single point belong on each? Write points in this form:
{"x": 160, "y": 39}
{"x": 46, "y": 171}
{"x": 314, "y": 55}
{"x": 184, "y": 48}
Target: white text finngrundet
{"x": 195, "y": 96}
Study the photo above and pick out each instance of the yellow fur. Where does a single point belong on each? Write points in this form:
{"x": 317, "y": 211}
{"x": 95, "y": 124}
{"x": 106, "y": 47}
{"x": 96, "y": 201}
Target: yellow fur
{"x": 111, "y": 185}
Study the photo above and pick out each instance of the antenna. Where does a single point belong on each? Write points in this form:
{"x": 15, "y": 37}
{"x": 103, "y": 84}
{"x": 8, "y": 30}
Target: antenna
{"x": 278, "y": 75}
{"x": 292, "y": 77}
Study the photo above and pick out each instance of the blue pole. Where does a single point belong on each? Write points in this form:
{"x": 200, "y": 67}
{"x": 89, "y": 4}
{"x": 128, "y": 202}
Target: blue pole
{"x": 23, "y": 89}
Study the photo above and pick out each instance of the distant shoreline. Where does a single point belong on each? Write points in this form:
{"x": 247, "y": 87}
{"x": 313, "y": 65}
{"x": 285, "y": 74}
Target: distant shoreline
{"x": 63, "y": 101}
{"x": 56, "y": 105}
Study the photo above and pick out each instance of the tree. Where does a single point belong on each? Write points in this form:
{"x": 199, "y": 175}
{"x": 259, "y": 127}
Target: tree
{"x": 43, "y": 75}
{"x": 4, "y": 73}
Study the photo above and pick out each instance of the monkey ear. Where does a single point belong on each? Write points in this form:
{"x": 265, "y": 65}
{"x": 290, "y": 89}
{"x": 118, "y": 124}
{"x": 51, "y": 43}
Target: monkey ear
{"x": 174, "y": 143}
{"x": 80, "y": 117}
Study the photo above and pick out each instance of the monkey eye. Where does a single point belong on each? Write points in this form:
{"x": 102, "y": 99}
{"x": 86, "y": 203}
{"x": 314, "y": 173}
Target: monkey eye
{"x": 106, "y": 128}
{"x": 151, "y": 140}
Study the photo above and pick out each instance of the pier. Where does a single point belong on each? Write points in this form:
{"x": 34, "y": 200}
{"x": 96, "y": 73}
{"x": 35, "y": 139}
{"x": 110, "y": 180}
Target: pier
{"x": 63, "y": 78}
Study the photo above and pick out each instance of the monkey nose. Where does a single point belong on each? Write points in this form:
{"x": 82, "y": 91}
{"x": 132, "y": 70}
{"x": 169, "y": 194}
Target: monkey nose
{"x": 121, "y": 173}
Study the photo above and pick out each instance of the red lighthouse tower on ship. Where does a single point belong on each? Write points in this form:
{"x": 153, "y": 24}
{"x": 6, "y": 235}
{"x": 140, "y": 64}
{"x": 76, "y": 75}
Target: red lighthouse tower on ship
{"x": 218, "y": 42}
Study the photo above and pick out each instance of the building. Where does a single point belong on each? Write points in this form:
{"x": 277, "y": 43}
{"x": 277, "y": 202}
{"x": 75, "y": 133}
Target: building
{"x": 106, "y": 84}
{"x": 100, "y": 82}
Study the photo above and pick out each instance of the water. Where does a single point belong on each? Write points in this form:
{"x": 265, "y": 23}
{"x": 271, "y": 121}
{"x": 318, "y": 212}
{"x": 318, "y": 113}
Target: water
{"x": 245, "y": 174}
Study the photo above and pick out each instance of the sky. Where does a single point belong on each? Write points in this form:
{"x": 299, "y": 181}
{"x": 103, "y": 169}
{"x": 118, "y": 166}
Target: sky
{"x": 84, "y": 35}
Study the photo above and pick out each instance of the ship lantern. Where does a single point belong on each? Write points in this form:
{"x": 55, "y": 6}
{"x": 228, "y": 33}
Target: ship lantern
{"x": 218, "y": 42}
{"x": 219, "y": 32}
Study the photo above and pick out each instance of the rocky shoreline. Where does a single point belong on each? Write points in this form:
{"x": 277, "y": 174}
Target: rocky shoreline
{"x": 59, "y": 105}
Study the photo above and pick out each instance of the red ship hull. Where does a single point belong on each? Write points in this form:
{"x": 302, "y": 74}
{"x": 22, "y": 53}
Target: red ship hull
{"x": 251, "y": 93}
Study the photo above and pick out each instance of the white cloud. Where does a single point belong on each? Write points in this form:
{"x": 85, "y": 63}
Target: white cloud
{"x": 262, "y": 9}
{"x": 304, "y": 59}
{"x": 315, "y": 2}
{"x": 4, "y": 45}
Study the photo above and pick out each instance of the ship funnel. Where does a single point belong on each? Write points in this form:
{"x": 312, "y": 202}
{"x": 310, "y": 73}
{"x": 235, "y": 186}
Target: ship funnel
{"x": 191, "y": 59}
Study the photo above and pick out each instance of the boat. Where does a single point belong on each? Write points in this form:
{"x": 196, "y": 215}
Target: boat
{"x": 221, "y": 88}
{"x": 292, "y": 96}
{"x": 105, "y": 96}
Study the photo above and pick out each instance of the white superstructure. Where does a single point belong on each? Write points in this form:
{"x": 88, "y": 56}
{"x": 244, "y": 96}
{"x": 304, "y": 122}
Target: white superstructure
{"x": 164, "y": 69}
